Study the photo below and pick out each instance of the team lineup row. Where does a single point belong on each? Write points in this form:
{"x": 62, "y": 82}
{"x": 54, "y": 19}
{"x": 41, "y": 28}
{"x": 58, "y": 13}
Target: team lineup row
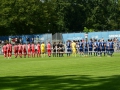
{"x": 93, "y": 46}
{"x": 58, "y": 49}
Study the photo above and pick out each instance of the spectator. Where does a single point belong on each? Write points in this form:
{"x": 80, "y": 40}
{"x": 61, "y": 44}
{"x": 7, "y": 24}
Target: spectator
{"x": 2, "y": 42}
{"x": 20, "y": 40}
{"x": 28, "y": 40}
{"x": 32, "y": 39}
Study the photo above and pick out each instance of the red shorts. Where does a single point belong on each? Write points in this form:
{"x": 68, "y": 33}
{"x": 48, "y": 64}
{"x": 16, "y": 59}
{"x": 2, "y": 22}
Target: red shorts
{"x": 20, "y": 51}
{"x": 49, "y": 50}
{"x": 29, "y": 51}
{"x": 16, "y": 51}
{"x": 33, "y": 51}
{"x": 8, "y": 51}
{"x": 5, "y": 52}
{"x": 24, "y": 51}
{"x": 38, "y": 51}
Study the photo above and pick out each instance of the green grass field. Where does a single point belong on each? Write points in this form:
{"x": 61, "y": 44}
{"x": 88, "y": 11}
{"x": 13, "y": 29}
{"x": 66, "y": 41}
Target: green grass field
{"x": 63, "y": 73}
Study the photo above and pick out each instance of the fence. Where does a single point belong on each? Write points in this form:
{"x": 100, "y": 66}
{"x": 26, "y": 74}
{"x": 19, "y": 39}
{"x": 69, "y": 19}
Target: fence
{"x": 28, "y": 38}
{"x": 96, "y": 35}
{"x": 64, "y": 36}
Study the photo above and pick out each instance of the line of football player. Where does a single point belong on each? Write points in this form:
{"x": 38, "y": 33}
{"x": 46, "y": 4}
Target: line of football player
{"x": 84, "y": 48}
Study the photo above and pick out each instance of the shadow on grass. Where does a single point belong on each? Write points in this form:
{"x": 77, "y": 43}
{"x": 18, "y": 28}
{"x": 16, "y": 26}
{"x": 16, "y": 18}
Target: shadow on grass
{"x": 66, "y": 82}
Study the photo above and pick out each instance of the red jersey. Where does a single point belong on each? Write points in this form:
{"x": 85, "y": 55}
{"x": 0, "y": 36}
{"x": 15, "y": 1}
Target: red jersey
{"x": 24, "y": 47}
{"x": 38, "y": 46}
{"x": 4, "y": 48}
{"x": 33, "y": 47}
{"x": 20, "y": 47}
{"x": 49, "y": 46}
{"x": 29, "y": 46}
{"x": 16, "y": 48}
{"x": 10, "y": 47}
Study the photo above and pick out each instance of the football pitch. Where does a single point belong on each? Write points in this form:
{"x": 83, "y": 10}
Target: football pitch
{"x": 60, "y": 73}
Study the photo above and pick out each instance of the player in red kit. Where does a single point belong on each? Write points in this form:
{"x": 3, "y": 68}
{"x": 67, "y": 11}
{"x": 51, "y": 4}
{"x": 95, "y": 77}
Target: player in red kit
{"x": 33, "y": 49}
{"x": 49, "y": 49}
{"x": 4, "y": 50}
{"x": 16, "y": 50}
{"x": 38, "y": 49}
{"x": 29, "y": 50}
{"x": 10, "y": 50}
{"x": 20, "y": 49}
{"x": 24, "y": 50}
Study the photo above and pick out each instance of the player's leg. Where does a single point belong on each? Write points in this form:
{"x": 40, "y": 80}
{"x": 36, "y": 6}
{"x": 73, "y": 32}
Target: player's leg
{"x": 5, "y": 54}
{"x": 21, "y": 53}
{"x": 48, "y": 53}
{"x": 10, "y": 54}
{"x": 28, "y": 53}
{"x": 67, "y": 52}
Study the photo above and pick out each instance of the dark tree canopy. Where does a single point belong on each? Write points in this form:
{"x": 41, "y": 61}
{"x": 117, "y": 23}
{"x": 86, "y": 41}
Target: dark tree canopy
{"x": 43, "y": 16}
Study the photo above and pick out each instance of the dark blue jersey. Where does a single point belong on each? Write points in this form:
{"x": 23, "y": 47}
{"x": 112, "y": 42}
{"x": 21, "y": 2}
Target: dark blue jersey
{"x": 99, "y": 44}
{"x": 68, "y": 44}
{"x": 111, "y": 45}
{"x": 90, "y": 44}
{"x": 107, "y": 45}
{"x": 95, "y": 44}
{"x": 81, "y": 45}
{"x": 86, "y": 45}
{"x": 103, "y": 45}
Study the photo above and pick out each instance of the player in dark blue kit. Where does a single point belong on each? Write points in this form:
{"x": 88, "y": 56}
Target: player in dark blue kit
{"x": 68, "y": 44}
{"x": 86, "y": 48}
{"x": 99, "y": 44}
{"x": 107, "y": 47}
{"x": 103, "y": 45}
{"x": 90, "y": 47}
{"x": 81, "y": 48}
{"x": 111, "y": 48}
{"x": 95, "y": 47}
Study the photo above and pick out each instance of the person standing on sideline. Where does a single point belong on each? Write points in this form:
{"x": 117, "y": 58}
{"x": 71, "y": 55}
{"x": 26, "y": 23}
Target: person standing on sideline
{"x": 58, "y": 49}
{"x": 95, "y": 47}
{"x": 73, "y": 45}
{"x": 43, "y": 49}
{"x": 99, "y": 46}
{"x": 29, "y": 50}
{"x": 49, "y": 49}
{"x": 38, "y": 50}
{"x": 111, "y": 46}
{"x": 16, "y": 50}
{"x": 81, "y": 48}
{"x": 86, "y": 48}
{"x": 62, "y": 49}
{"x": 103, "y": 47}
{"x": 33, "y": 49}
{"x": 90, "y": 47}
{"x": 54, "y": 49}
{"x": 20, "y": 49}
{"x": 24, "y": 50}
{"x": 10, "y": 50}
{"x": 68, "y": 48}
{"x": 4, "y": 50}
{"x": 107, "y": 47}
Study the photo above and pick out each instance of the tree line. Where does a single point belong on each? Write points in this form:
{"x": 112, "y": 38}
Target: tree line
{"x": 51, "y": 16}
